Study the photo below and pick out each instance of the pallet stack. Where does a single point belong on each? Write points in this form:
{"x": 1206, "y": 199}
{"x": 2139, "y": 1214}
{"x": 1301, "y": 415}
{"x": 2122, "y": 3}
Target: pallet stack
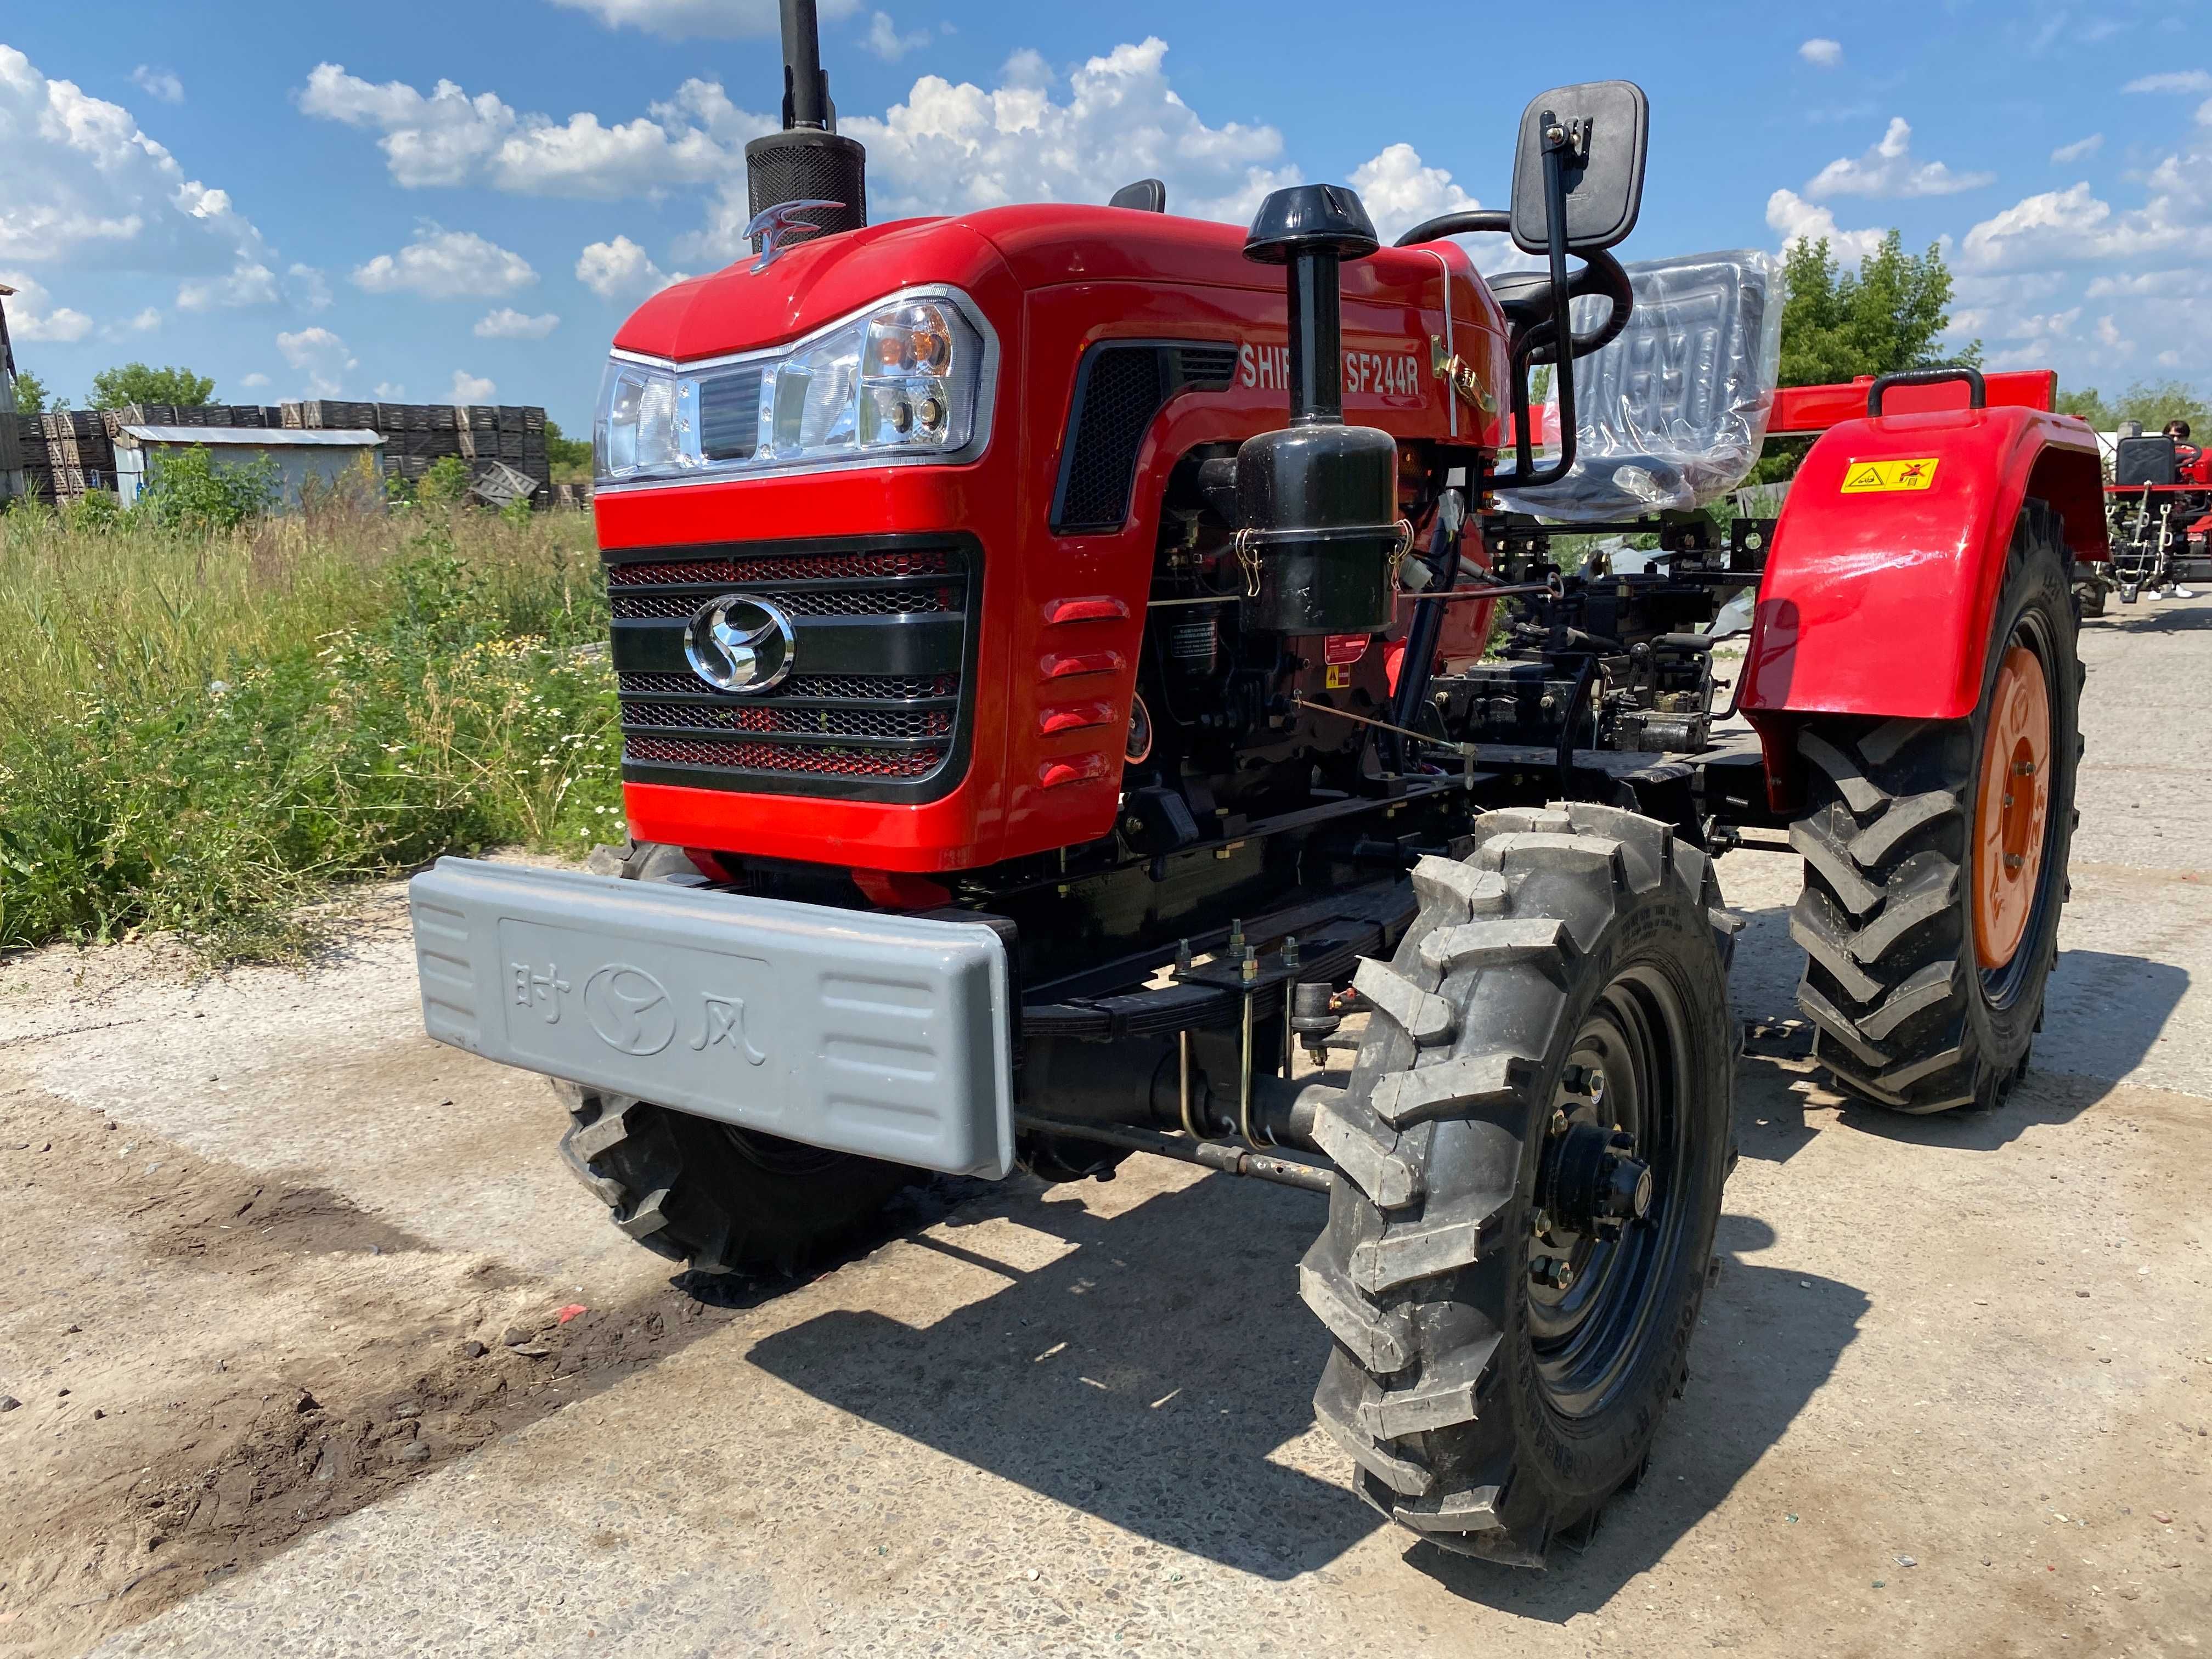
{"x": 418, "y": 434}
{"x": 67, "y": 454}
{"x": 80, "y": 455}
{"x": 37, "y": 458}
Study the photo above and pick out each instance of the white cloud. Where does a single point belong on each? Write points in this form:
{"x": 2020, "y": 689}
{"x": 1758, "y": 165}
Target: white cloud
{"x": 508, "y": 324}
{"x": 2074, "y": 226}
{"x": 2109, "y": 335}
{"x": 622, "y": 271}
{"x": 2172, "y": 81}
{"x": 249, "y": 283}
{"x": 447, "y": 265}
{"x": 2034, "y": 340}
{"x": 158, "y": 84}
{"x": 30, "y": 316}
{"x": 1822, "y": 51}
{"x": 951, "y": 149}
{"x": 682, "y": 20}
{"x": 145, "y": 322}
{"x": 2152, "y": 285}
{"x": 255, "y": 381}
{"x": 447, "y": 137}
{"x": 86, "y": 186}
{"x": 1888, "y": 170}
{"x": 1797, "y": 220}
{"x": 390, "y": 391}
{"x": 319, "y": 355}
{"x": 1401, "y": 192}
{"x": 309, "y": 288}
{"x": 883, "y": 38}
{"x": 471, "y": 388}
{"x": 2080, "y": 149}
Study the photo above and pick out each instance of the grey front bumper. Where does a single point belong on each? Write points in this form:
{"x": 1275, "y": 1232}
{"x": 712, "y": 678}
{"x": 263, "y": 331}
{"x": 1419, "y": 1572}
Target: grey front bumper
{"x": 883, "y": 1035}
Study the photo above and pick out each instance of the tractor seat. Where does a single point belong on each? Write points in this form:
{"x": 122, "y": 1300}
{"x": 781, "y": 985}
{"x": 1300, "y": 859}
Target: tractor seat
{"x": 1146, "y": 195}
{"x": 1672, "y": 413}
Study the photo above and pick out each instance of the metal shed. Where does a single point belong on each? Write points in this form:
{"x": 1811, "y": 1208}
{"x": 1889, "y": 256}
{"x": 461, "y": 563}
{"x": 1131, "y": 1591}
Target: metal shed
{"x": 323, "y": 456}
{"x": 12, "y": 482}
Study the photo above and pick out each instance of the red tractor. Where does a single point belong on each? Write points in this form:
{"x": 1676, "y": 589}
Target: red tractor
{"x": 1034, "y": 742}
{"x": 2160, "y": 502}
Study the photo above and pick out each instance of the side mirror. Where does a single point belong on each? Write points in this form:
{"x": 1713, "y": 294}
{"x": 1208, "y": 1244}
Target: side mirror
{"x": 1606, "y": 126}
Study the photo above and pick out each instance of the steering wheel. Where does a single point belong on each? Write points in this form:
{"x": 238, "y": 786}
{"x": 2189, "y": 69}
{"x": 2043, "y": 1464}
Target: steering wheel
{"x": 1525, "y": 296}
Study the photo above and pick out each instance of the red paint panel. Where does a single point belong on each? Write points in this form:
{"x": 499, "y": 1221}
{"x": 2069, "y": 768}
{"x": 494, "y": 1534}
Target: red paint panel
{"x": 1074, "y": 717}
{"x": 1091, "y": 610}
{"x": 1051, "y": 281}
{"x": 1799, "y": 409}
{"x": 1879, "y": 603}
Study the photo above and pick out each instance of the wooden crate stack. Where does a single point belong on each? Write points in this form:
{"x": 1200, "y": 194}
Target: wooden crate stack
{"x": 418, "y": 434}
{"x": 80, "y": 453}
{"x": 67, "y": 454}
{"x": 38, "y": 459}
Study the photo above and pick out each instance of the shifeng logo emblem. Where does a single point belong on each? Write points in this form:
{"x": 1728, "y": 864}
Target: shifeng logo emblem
{"x": 738, "y": 644}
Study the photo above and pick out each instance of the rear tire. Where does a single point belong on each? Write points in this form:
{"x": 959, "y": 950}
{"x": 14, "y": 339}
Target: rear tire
{"x": 694, "y": 1190}
{"x": 1490, "y": 1407}
{"x": 1908, "y": 1011}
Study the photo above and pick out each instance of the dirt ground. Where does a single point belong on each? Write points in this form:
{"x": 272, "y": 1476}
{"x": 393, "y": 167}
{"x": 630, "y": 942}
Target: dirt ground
{"x": 318, "y": 1350}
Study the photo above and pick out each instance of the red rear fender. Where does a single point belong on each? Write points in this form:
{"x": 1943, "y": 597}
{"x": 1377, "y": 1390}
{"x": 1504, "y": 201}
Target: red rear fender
{"x": 1890, "y": 551}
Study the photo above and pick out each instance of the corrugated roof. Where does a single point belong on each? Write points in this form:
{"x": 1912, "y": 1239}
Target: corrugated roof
{"x": 259, "y": 437}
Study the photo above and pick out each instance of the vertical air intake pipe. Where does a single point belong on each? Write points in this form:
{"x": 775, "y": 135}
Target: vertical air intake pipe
{"x": 807, "y": 161}
{"x": 1317, "y": 502}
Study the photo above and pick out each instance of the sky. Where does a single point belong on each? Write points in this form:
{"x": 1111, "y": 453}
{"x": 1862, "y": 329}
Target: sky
{"x": 461, "y": 201}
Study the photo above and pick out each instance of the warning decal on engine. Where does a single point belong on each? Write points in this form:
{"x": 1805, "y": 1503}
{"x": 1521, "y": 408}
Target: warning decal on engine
{"x": 1867, "y": 477}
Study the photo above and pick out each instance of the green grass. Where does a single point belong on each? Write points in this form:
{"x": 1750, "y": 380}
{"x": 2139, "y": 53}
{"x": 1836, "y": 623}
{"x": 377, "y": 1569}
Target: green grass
{"x": 200, "y": 730}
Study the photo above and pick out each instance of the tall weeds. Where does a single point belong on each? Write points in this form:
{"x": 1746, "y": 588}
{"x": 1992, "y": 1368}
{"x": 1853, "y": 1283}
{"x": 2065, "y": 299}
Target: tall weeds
{"x": 200, "y": 729}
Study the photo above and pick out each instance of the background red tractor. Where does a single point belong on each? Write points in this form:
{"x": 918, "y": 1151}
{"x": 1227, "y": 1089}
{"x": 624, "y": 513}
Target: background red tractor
{"x": 2159, "y": 496}
{"x": 1018, "y": 773}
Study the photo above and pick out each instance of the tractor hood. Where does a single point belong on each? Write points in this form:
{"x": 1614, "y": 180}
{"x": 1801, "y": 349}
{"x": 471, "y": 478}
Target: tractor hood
{"x": 990, "y": 255}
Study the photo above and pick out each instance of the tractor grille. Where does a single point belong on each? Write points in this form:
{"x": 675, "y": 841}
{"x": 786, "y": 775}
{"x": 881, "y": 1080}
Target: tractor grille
{"x": 770, "y": 716}
{"x": 1121, "y": 387}
{"x": 842, "y": 762}
{"x": 802, "y": 602}
{"x": 886, "y": 624}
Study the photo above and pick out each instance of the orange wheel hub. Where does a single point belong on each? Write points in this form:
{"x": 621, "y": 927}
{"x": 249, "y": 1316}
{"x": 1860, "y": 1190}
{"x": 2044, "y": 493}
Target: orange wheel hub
{"x": 2015, "y": 801}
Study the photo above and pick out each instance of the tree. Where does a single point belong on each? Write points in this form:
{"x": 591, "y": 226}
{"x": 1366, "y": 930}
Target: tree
{"x": 2153, "y": 403}
{"x": 135, "y": 383}
{"x": 1837, "y": 324}
{"x": 569, "y": 459}
{"x": 1887, "y": 315}
{"x": 31, "y": 394}
{"x": 192, "y": 491}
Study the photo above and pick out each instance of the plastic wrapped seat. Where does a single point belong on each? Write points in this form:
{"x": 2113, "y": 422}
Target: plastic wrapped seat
{"x": 1672, "y": 413}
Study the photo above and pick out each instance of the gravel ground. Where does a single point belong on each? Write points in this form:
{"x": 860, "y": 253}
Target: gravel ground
{"x": 286, "y": 1321}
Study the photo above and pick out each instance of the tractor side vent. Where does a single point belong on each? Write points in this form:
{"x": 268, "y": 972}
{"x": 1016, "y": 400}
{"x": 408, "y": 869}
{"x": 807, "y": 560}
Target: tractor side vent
{"x": 1121, "y": 387}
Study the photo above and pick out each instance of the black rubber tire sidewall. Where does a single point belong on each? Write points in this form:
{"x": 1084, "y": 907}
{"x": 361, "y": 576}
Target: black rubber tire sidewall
{"x": 1562, "y": 1470}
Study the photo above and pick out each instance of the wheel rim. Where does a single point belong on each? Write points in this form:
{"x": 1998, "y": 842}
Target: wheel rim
{"x": 1591, "y": 1333}
{"x": 2012, "y": 810}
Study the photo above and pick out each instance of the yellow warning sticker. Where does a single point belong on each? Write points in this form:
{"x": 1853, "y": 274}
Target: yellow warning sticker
{"x": 1870, "y": 477}
{"x": 1340, "y": 676}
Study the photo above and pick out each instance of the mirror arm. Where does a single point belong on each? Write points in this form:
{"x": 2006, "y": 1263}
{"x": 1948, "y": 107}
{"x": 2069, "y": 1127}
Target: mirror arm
{"x": 1526, "y": 475}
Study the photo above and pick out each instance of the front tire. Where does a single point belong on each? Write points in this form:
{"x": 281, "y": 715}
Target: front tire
{"x": 1551, "y": 1040}
{"x": 719, "y": 1197}
{"x": 1935, "y": 865}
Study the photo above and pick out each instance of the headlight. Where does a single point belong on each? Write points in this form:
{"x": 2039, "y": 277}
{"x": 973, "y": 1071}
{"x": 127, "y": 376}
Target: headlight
{"x": 906, "y": 381}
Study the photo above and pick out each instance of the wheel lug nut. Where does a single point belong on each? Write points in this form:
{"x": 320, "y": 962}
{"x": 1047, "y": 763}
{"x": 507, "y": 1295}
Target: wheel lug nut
{"x": 1553, "y": 1273}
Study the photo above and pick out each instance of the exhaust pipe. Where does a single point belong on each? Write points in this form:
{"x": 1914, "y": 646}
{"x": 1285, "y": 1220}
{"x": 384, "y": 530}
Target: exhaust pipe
{"x": 807, "y": 161}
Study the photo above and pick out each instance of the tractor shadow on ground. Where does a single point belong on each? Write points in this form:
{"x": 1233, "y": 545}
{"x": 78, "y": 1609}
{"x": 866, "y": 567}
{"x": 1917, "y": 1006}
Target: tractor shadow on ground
{"x": 1767, "y": 1341}
{"x": 1159, "y": 1375}
{"x": 2168, "y": 618}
